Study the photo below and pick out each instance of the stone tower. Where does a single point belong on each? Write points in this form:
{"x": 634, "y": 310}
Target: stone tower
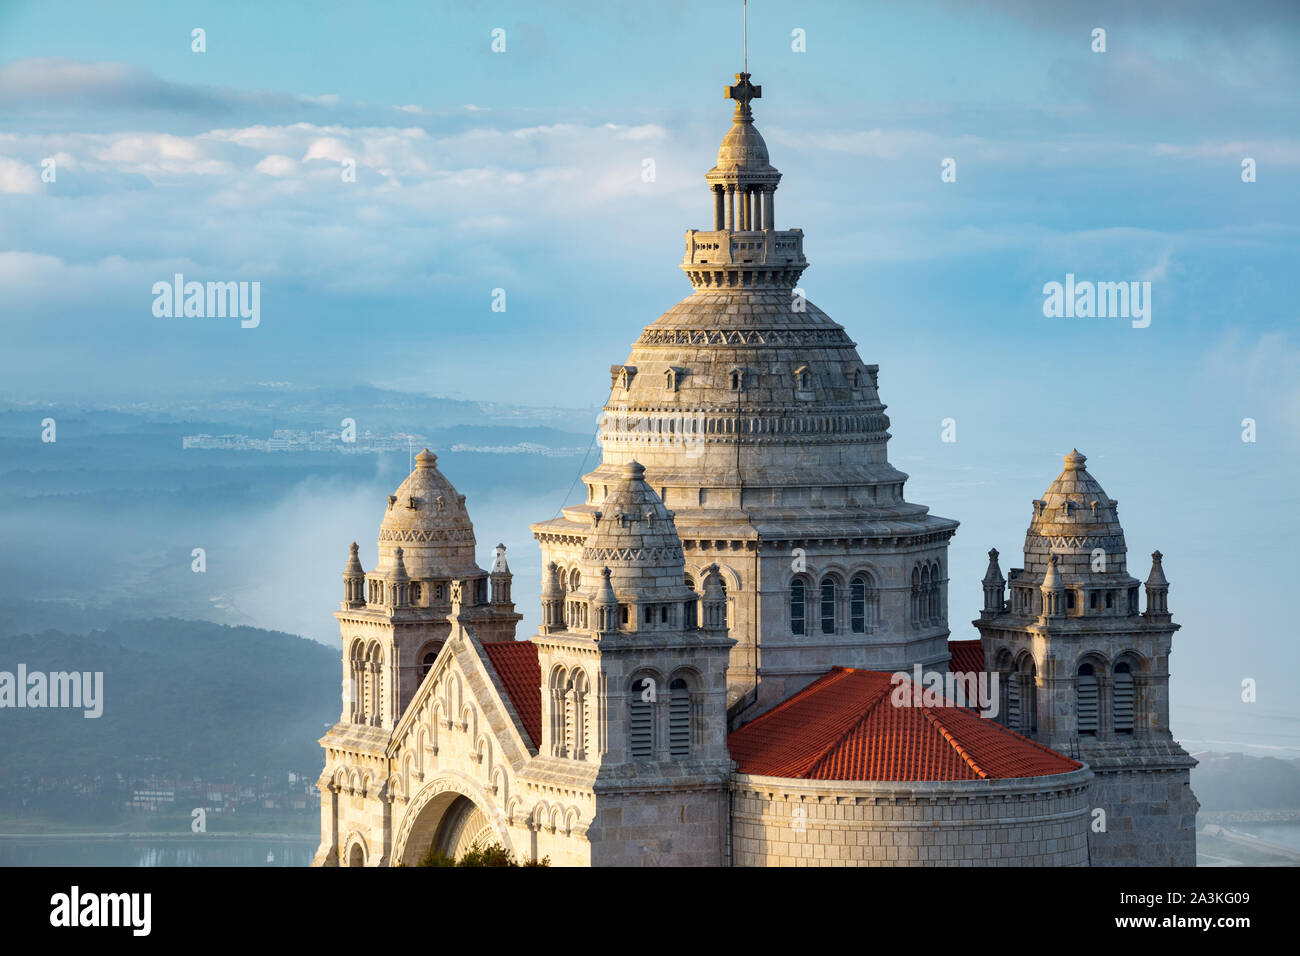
{"x": 1084, "y": 672}
{"x": 634, "y": 689}
{"x": 762, "y": 428}
{"x": 394, "y": 621}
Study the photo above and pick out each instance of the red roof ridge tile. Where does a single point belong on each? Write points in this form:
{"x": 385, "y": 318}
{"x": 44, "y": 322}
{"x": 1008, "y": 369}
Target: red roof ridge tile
{"x": 837, "y": 741}
{"x": 952, "y": 741}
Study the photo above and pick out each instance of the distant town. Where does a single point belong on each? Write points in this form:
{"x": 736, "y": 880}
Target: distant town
{"x": 363, "y": 443}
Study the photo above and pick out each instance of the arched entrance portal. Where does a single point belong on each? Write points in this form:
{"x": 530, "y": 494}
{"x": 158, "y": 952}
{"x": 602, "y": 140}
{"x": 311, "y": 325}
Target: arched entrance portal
{"x": 357, "y": 856}
{"x": 463, "y": 825}
{"x": 450, "y": 822}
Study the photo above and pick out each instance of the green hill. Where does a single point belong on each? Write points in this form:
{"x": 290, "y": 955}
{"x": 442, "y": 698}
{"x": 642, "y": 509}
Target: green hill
{"x": 181, "y": 699}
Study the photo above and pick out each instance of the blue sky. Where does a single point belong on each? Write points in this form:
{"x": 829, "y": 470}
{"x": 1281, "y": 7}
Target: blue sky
{"x": 522, "y": 170}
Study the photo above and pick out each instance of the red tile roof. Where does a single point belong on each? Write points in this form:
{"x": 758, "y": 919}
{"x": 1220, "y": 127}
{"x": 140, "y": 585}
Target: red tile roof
{"x": 844, "y": 726}
{"x": 516, "y": 664}
{"x": 967, "y": 657}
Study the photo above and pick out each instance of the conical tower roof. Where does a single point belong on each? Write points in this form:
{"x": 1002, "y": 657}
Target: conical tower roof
{"x": 633, "y": 535}
{"x": 427, "y": 519}
{"x": 1078, "y": 522}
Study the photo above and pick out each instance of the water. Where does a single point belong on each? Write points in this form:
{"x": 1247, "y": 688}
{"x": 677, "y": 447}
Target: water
{"x": 1279, "y": 834}
{"x": 147, "y": 851}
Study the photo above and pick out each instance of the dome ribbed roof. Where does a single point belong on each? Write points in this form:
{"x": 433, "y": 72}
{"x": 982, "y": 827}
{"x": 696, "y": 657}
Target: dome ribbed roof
{"x": 429, "y": 522}
{"x": 1075, "y": 519}
{"x": 634, "y": 536}
{"x": 743, "y": 147}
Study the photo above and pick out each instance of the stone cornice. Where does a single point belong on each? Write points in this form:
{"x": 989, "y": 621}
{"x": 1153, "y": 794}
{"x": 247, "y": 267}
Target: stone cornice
{"x": 748, "y": 337}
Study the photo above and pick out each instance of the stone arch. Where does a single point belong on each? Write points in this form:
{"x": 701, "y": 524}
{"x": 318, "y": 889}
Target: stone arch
{"x": 694, "y": 679}
{"x": 397, "y": 789}
{"x": 411, "y": 764}
{"x": 730, "y": 579}
{"x": 431, "y": 647}
{"x": 864, "y": 599}
{"x": 428, "y": 811}
{"x": 455, "y": 693}
{"x": 483, "y": 752}
{"x": 1096, "y": 658}
{"x": 500, "y": 784}
{"x": 572, "y": 818}
{"x": 355, "y": 852}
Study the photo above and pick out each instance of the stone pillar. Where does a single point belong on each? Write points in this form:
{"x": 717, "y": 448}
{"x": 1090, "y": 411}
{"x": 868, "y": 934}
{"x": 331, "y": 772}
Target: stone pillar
{"x": 718, "y": 213}
{"x": 731, "y": 207}
{"x": 758, "y": 207}
{"x": 769, "y": 220}
{"x": 745, "y": 197}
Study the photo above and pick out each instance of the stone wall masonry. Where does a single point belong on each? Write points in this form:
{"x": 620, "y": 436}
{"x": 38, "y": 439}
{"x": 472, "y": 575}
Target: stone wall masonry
{"x": 1037, "y": 821}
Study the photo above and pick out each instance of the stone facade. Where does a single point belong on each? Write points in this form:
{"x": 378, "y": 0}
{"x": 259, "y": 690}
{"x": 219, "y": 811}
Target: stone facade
{"x": 744, "y": 535}
{"x": 761, "y": 427}
{"x": 1034, "y": 821}
{"x": 1083, "y": 671}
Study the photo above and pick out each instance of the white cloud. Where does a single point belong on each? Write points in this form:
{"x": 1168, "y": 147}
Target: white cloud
{"x": 18, "y": 177}
{"x": 277, "y": 165}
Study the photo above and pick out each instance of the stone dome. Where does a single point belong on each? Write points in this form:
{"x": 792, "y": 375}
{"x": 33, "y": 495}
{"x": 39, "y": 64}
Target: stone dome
{"x": 426, "y": 518}
{"x": 1074, "y": 518}
{"x": 743, "y": 147}
{"x": 634, "y": 536}
{"x": 806, "y": 421}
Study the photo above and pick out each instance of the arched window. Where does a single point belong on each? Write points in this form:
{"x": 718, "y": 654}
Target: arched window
{"x": 1029, "y": 697}
{"x": 559, "y": 688}
{"x": 427, "y": 659}
{"x": 357, "y": 683}
{"x": 925, "y": 595}
{"x": 373, "y": 691}
{"x": 916, "y": 597}
{"x": 797, "y": 607}
{"x": 679, "y": 720}
{"x": 828, "y": 606}
{"x": 415, "y": 592}
{"x": 936, "y": 577}
{"x": 1122, "y": 705}
{"x": 1085, "y": 696}
{"x": 581, "y": 732}
{"x": 864, "y": 604}
{"x": 692, "y": 608}
{"x": 641, "y": 725}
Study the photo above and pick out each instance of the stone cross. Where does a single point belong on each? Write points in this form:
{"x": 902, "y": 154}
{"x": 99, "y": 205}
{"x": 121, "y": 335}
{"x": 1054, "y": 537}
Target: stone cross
{"x": 743, "y": 91}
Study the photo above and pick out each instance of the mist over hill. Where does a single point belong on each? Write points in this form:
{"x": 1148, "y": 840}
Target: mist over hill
{"x": 181, "y": 699}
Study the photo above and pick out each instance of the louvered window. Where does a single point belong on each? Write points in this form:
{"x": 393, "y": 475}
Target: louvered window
{"x": 641, "y": 740}
{"x": 679, "y": 720}
{"x": 1086, "y": 700}
{"x": 1123, "y": 705}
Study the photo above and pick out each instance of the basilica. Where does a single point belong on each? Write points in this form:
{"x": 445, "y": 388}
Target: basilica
{"x": 726, "y": 621}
